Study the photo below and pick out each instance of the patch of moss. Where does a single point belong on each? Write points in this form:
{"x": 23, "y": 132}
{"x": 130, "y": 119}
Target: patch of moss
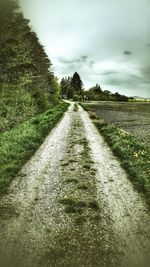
{"x": 93, "y": 205}
{"x": 72, "y": 180}
{"x": 65, "y": 164}
{"x": 73, "y": 204}
{"x": 87, "y": 166}
{"x": 83, "y": 187}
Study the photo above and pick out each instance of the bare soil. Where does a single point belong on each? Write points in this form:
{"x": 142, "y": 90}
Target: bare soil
{"x": 73, "y": 205}
{"x": 131, "y": 117}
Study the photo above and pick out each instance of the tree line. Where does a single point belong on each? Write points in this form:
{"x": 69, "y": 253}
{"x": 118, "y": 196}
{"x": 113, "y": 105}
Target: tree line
{"x": 27, "y": 82}
{"x": 72, "y": 88}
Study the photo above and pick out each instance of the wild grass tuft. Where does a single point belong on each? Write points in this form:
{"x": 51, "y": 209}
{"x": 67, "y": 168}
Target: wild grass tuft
{"x": 93, "y": 205}
{"x": 83, "y": 187}
{"x": 75, "y": 107}
{"x": 73, "y": 204}
{"x": 72, "y": 180}
{"x": 87, "y": 166}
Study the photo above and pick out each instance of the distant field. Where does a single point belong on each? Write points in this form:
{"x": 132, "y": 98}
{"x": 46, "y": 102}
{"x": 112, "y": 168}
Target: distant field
{"x": 132, "y": 117}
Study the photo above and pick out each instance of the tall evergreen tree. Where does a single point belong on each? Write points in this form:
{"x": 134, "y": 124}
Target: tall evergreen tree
{"x": 76, "y": 83}
{"x": 67, "y": 90}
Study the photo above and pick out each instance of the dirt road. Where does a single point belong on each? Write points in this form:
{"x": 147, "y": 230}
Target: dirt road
{"x": 73, "y": 205}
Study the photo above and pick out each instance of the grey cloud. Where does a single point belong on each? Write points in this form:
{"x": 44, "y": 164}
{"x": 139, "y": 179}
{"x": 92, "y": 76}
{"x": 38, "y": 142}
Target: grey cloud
{"x": 108, "y": 72}
{"x": 81, "y": 59}
{"x": 91, "y": 64}
{"x": 66, "y": 61}
{"x": 126, "y": 80}
{"x": 146, "y": 74}
{"x": 76, "y": 63}
{"x": 84, "y": 58}
{"x": 79, "y": 37}
{"x": 126, "y": 52}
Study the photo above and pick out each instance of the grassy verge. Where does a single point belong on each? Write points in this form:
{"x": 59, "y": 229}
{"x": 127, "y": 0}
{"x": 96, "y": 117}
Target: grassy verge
{"x": 134, "y": 155}
{"x": 18, "y": 144}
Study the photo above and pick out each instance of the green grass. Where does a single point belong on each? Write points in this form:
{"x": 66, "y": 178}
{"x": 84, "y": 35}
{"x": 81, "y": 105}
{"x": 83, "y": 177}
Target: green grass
{"x": 72, "y": 180}
{"x": 73, "y": 204}
{"x": 83, "y": 187}
{"x": 93, "y": 205}
{"x": 75, "y": 107}
{"x": 133, "y": 154}
{"x": 19, "y": 144}
{"x": 87, "y": 166}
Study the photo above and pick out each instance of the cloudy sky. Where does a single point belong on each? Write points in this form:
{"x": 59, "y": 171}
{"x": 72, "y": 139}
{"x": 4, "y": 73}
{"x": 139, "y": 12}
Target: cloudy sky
{"x": 105, "y": 41}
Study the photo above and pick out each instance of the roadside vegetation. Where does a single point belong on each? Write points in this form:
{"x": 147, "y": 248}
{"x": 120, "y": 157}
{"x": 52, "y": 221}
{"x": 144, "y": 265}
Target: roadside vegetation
{"x": 28, "y": 85}
{"x": 18, "y": 144}
{"x": 29, "y": 92}
{"x": 133, "y": 154}
{"x": 133, "y": 117}
{"x": 72, "y": 88}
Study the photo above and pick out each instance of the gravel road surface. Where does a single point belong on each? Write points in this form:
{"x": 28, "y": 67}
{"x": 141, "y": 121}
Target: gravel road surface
{"x": 72, "y": 205}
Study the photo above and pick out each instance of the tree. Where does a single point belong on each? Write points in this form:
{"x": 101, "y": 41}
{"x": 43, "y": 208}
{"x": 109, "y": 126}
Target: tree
{"x": 97, "y": 89}
{"x": 63, "y": 88}
{"x": 27, "y": 84}
{"x": 66, "y": 88}
{"x": 76, "y": 83}
{"x": 97, "y": 94}
{"x": 55, "y": 89}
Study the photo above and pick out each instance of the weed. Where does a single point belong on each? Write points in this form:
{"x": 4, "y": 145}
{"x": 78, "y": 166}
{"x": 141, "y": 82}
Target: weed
{"x": 87, "y": 166}
{"x": 72, "y": 180}
{"x": 73, "y": 204}
{"x": 92, "y": 172}
{"x": 83, "y": 187}
{"x": 72, "y": 201}
{"x": 75, "y": 107}
{"x": 93, "y": 115}
{"x": 84, "y": 142}
{"x": 73, "y": 160}
{"x": 73, "y": 209}
{"x": 36, "y": 120}
{"x": 93, "y": 205}
{"x": 81, "y": 220}
{"x": 90, "y": 161}
{"x": 65, "y": 164}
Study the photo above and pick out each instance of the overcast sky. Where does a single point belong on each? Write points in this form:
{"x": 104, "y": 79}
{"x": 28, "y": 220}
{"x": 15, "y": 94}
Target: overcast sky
{"x": 105, "y": 41}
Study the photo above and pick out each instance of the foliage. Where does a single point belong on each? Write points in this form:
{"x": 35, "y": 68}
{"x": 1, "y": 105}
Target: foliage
{"x": 77, "y": 98}
{"x": 66, "y": 89}
{"x": 76, "y": 83}
{"x": 96, "y": 93}
{"x": 55, "y": 89}
{"x": 18, "y": 144}
{"x": 71, "y": 87}
{"x": 26, "y": 79}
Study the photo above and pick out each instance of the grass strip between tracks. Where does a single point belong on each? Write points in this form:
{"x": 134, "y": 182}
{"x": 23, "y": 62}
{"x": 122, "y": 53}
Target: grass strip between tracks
{"x": 133, "y": 154}
{"x": 19, "y": 144}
